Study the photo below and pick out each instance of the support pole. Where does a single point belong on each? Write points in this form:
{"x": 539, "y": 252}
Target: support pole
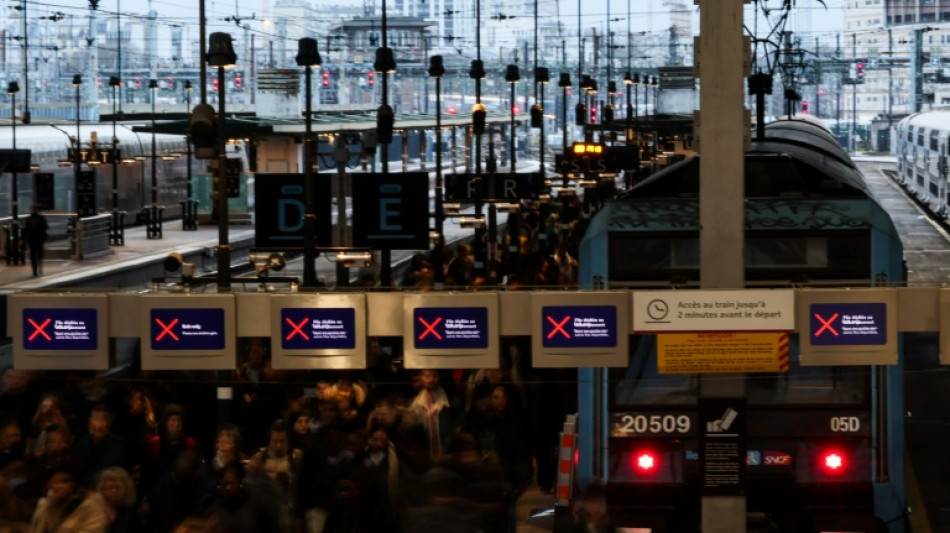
{"x": 854, "y": 97}
{"x": 310, "y": 217}
{"x": 224, "y": 246}
{"x": 439, "y": 189}
{"x": 385, "y": 255}
{"x": 721, "y": 199}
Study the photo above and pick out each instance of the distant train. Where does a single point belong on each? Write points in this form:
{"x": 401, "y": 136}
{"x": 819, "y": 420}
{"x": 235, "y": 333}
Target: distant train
{"x": 50, "y": 155}
{"x": 810, "y": 221}
{"x": 923, "y": 152}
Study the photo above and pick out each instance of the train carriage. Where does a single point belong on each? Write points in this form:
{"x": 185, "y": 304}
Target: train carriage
{"x": 810, "y": 221}
{"x": 922, "y": 149}
{"x": 49, "y": 144}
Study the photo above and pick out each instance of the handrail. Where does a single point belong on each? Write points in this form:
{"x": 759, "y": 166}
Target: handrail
{"x": 90, "y": 236}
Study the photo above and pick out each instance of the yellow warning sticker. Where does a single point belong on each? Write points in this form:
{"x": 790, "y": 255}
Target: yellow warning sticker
{"x": 722, "y": 352}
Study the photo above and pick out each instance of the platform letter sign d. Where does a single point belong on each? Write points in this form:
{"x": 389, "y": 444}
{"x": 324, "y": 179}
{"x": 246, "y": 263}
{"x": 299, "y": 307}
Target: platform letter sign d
{"x": 290, "y": 210}
{"x": 280, "y": 206}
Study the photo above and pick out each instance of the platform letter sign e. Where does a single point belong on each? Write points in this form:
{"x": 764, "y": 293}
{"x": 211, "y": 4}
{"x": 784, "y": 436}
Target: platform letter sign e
{"x": 391, "y": 211}
{"x": 389, "y": 207}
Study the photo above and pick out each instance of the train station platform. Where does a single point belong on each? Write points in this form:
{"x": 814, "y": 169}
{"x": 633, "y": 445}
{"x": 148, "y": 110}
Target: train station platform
{"x": 134, "y": 264}
{"x": 106, "y": 270}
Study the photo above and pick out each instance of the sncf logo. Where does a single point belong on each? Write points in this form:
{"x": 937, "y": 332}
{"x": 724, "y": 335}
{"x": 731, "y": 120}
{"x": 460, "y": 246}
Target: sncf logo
{"x": 772, "y": 458}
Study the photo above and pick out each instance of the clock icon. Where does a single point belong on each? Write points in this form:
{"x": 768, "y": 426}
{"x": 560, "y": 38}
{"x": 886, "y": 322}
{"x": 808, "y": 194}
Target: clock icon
{"x": 657, "y": 309}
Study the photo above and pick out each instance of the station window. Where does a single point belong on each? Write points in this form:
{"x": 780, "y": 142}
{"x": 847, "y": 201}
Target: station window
{"x": 934, "y": 141}
{"x": 933, "y": 189}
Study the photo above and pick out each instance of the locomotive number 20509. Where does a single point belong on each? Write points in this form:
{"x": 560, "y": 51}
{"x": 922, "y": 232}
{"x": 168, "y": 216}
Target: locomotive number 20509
{"x": 638, "y": 424}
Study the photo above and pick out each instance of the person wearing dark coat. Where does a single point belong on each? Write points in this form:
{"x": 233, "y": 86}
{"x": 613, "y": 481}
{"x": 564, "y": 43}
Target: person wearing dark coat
{"x": 12, "y": 447}
{"x": 100, "y": 448}
{"x": 35, "y": 233}
{"x": 243, "y": 506}
{"x": 165, "y": 447}
{"x": 175, "y": 495}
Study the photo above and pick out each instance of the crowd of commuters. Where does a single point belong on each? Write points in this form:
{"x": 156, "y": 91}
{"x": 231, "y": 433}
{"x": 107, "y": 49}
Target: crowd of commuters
{"x": 537, "y": 246}
{"x": 260, "y": 450}
{"x": 382, "y": 449}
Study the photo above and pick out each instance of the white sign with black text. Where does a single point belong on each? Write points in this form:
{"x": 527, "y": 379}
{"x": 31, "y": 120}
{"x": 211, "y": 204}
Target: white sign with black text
{"x": 713, "y": 310}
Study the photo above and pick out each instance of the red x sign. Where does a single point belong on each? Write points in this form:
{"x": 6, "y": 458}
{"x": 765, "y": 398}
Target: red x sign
{"x": 166, "y": 330}
{"x": 430, "y": 328}
{"x": 558, "y": 327}
{"x": 38, "y": 329}
{"x": 297, "y": 329}
{"x": 826, "y": 324}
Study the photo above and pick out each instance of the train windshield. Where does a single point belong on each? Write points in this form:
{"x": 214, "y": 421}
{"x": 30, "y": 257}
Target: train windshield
{"x": 641, "y": 256}
{"x": 642, "y": 384}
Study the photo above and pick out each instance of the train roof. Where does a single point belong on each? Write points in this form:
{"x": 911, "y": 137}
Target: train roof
{"x": 936, "y": 120}
{"x": 797, "y": 157}
{"x": 53, "y": 139}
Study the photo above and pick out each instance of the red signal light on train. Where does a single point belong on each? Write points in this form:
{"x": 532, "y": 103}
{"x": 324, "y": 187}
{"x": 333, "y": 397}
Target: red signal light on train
{"x": 833, "y": 462}
{"x": 645, "y": 462}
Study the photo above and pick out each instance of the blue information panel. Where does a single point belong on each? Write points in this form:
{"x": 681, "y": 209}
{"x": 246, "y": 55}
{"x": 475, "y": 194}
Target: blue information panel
{"x": 60, "y": 329}
{"x": 579, "y": 326}
{"x": 187, "y": 329}
{"x": 848, "y": 324}
{"x": 318, "y": 329}
{"x": 436, "y": 328}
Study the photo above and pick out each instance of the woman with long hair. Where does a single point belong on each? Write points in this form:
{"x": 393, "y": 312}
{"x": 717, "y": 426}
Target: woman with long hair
{"x": 118, "y": 490}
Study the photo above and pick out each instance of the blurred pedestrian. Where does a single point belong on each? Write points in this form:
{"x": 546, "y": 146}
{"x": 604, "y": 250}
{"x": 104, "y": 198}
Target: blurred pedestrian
{"x": 69, "y": 507}
{"x": 592, "y": 514}
{"x": 436, "y": 411}
{"x": 11, "y": 442}
{"x": 236, "y": 507}
{"x": 227, "y": 448}
{"x": 35, "y": 231}
{"x": 164, "y": 448}
{"x": 118, "y": 491}
{"x": 176, "y": 494}
{"x": 281, "y": 464}
{"x": 100, "y": 448}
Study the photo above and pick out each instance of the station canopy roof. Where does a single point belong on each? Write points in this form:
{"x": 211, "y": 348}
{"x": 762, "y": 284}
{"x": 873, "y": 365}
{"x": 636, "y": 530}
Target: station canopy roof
{"x": 238, "y": 126}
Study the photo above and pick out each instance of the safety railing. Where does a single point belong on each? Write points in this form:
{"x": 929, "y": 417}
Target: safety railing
{"x": 12, "y": 243}
{"x": 89, "y": 236}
